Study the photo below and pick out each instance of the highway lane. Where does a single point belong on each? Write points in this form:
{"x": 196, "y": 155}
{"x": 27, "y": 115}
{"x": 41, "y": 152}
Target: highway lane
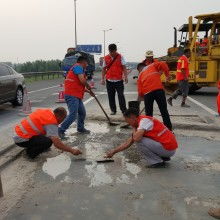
{"x": 207, "y": 96}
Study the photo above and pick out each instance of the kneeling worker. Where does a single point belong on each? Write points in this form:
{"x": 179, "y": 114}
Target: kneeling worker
{"x": 39, "y": 131}
{"x": 154, "y": 140}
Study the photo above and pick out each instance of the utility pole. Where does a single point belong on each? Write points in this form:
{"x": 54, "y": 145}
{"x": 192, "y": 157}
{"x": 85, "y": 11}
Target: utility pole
{"x": 104, "y": 31}
{"x": 75, "y": 24}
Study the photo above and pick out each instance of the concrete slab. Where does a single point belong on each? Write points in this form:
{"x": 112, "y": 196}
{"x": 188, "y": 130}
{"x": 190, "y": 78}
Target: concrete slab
{"x": 125, "y": 189}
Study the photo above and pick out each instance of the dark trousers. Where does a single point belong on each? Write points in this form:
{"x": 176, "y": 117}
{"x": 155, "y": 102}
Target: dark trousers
{"x": 36, "y": 145}
{"x": 112, "y": 88}
{"x": 160, "y": 98}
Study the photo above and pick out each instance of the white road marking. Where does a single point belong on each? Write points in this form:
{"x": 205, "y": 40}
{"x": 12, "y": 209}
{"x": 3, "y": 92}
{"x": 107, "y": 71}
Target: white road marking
{"x": 202, "y": 106}
{"x": 88, "y": 100}
{"x": 39, "y": 90}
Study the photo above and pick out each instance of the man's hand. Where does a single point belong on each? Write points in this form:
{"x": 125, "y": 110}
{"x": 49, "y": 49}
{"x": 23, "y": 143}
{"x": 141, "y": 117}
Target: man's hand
{"x": 110, "y": 154}
{"x": 126, "y": 80}
{"x": 75, "y": 152}
{"x": 102, "y": 82}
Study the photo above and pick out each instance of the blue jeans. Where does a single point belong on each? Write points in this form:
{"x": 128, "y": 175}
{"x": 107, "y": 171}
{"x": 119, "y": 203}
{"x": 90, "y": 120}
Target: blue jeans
{"x": 76, "y": 111}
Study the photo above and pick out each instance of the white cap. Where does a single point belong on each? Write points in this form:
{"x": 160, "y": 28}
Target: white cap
{"x": 149, "y": 53}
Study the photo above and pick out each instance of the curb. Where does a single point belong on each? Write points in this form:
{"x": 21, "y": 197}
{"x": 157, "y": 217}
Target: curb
{"x": 10, "y": 158}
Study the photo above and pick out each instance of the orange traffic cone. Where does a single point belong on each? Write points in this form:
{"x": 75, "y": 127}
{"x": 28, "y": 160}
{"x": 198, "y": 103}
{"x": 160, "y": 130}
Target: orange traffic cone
{"x": 26, "y": 108}
{"x": 61, "y": 98}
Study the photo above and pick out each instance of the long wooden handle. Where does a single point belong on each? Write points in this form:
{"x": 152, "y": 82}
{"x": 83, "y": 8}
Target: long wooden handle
{"x": 102, "y": 109}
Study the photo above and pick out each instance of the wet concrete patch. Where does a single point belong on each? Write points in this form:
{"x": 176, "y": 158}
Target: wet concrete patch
{"x": 126, "y": 189}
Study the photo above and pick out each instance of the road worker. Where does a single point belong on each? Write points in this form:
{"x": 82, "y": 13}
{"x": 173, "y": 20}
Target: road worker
{"x": 39, "y": 131}
{"x": 150, "y": 88}
{"x": 182, "y": 77}
{"x": 75, "y": 85}
{"x": 218, "y": 98}
{"x": 115, "y": 73}
{"x": 155, "y": 141}
{"x": 149, "y": 58}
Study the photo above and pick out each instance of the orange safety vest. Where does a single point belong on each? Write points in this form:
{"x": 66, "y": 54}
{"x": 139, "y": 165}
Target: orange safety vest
{"x": 34, "y": 124}
{"x": 115, "y": 71}
{"x": 183, "y": 63}
{"x": 149, "y": 79}
{"x": 160, "y": 133}
{"x": 72, "y": 84}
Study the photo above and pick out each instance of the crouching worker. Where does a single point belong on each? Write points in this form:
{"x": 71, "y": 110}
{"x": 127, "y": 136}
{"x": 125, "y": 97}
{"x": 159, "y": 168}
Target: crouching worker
{"x": 39, "y": 131}
{"x": 154, "y": 140}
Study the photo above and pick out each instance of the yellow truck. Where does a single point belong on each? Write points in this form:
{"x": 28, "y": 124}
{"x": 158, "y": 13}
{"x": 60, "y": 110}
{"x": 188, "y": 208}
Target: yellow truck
{"x": 203, "y": 39}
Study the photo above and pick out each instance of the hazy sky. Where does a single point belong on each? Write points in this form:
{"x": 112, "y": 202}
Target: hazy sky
{"x": 44, "y": 29}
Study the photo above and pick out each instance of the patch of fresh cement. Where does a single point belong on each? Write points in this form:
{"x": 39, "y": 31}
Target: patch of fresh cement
{"x": 133, "y": 168}
{"x": 57, "y": 165}
{"x": 194, "y": 200}
{"x": 97, "y": 174}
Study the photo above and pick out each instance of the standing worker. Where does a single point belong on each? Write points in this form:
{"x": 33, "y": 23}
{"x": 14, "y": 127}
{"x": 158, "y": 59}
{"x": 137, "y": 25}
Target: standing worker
{"x": 149, "y": 58}
{"x": 155, "y": 141}
{"x": 218, "y": 98}
{"x": 39, "y": 131}
{"x": 182, "y": 77}
{"x": 114, "y": 70}
{"x": 151, "y": 89}
{"x": 75, "y": 87}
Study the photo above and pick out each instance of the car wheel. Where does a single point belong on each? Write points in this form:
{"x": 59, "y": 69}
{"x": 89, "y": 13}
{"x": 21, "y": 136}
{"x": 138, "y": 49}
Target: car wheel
{"x": 18, "y": 101}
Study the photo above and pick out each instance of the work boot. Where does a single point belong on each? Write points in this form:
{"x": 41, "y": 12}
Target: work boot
{"x": 170, "y": 101}
{"x": 184, "y": 105}
{"x": 214, "y": 213}
{"x": 113, "y": 113}
{"x": 83, "y": 131}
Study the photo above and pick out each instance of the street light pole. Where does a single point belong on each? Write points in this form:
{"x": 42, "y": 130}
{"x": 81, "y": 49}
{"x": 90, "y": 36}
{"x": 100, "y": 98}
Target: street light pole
{"x": 105, "y": 38}
{"x": 75, "y": 24}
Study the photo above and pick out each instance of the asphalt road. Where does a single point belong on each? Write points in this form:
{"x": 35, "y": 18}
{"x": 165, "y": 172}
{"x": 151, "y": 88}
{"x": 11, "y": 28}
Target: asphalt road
{"x": 207, "y": 96}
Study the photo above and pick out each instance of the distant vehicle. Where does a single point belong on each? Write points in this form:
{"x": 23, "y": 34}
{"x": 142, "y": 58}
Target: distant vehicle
{"x": 11, "y": 86}
{"x": 71, "y": 58}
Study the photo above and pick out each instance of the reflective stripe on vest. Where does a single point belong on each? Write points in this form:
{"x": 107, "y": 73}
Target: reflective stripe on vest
{"x": 31, "y": 124}
{"x": 162, "y": 132}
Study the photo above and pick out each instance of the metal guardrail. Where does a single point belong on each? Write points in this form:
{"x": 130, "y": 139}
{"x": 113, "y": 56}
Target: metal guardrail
{"x": 43, "y": 75}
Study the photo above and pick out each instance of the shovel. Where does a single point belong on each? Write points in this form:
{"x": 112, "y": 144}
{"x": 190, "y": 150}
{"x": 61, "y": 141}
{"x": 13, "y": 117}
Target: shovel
{"x": 109, "y": 120}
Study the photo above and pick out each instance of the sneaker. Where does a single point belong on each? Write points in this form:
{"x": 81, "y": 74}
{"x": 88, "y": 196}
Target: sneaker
{"x": 157, "y": 165}
{"x": 165, "y": 158}
{"x": 184, "y": 105}
{"x": 113, "y": 113}
{"x": 84, "y": 131}
{"x": 170, "y": 101}
{"x": 61, "y": 135}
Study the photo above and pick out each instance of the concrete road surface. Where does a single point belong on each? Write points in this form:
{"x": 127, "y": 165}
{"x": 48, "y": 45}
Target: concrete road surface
{"x": 60, "y": 186}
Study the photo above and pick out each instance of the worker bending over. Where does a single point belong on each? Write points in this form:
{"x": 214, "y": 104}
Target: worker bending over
{"x": 115, "y": 73}
{"x": 149, "y": 58}
{"x": 154, "y": 140}
{"x": 151, "y": 88}
{"x": 39, "y": 131}
{"x": 182, "y": 77}
{"x": 75, "y": 86}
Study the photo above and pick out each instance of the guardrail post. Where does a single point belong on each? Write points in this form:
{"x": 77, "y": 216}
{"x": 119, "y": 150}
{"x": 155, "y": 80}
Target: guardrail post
{"x": 1, "y": 189}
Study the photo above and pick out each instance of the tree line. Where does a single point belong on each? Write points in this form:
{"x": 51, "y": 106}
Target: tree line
{"x": 36, "y": 66}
